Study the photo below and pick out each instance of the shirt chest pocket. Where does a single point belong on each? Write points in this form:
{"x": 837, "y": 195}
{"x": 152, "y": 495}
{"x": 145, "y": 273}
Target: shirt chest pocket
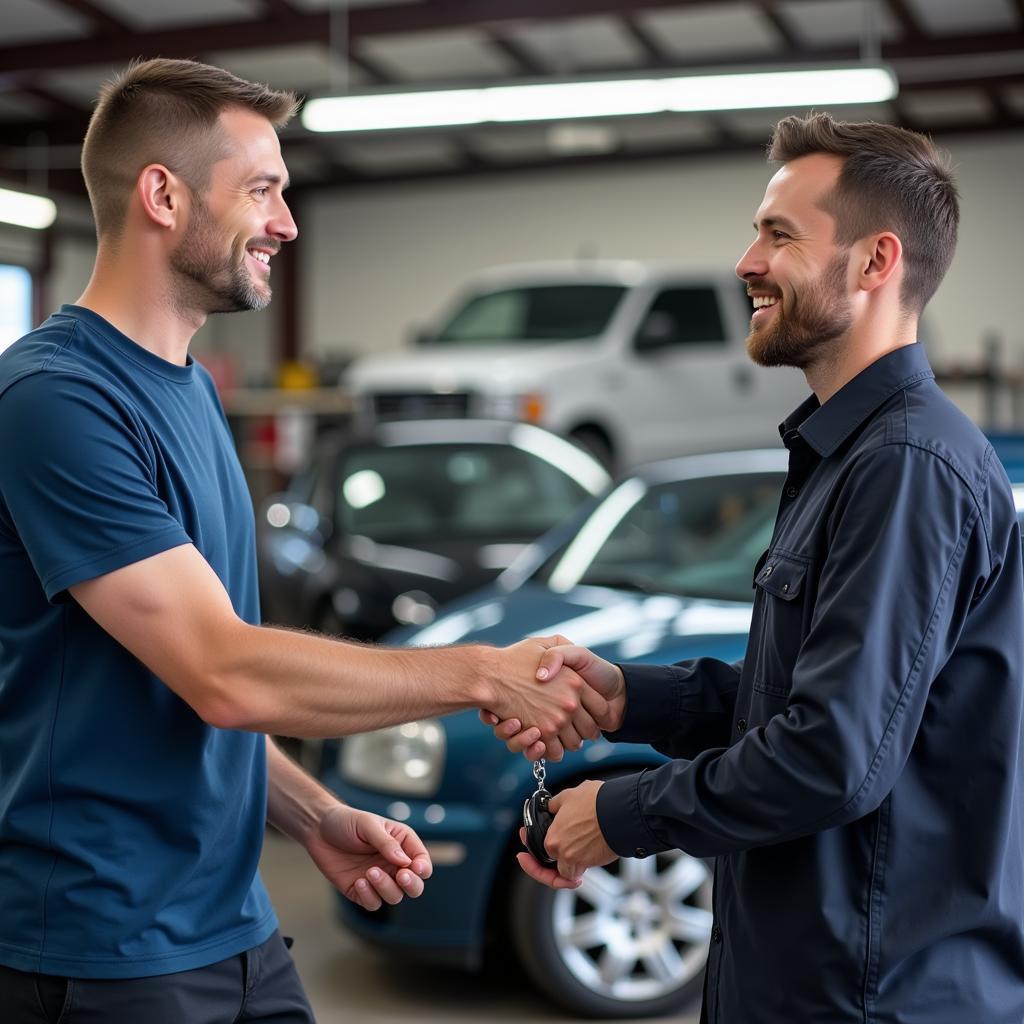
{"x": 781, "y": 612}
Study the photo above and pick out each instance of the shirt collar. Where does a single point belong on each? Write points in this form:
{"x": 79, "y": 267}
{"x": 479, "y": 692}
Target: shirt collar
{"x": 826, "y": 427}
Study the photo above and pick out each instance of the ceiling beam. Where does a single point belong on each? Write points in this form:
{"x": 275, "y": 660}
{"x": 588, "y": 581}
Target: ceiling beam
{"x": 373, "y": 69}
{"x": 100, "y": 19}
{"x": 908, "y": 22}
{"x": 518, "y": 55}
{"x": 779, "y": 23}
{"x": 651, "y": 48}
{"x": 118, "y": 47}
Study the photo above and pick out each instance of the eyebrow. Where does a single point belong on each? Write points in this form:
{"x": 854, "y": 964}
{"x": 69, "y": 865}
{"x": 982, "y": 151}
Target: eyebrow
{"x": 273, "y": 179}
{"x": 771, "y": 222}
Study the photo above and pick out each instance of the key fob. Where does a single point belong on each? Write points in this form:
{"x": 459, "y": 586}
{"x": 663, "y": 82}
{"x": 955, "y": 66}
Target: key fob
{"x": 537, "y": 820}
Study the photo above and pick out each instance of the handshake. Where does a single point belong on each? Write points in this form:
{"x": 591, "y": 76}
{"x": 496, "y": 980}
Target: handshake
{"x": 552, "y": 696}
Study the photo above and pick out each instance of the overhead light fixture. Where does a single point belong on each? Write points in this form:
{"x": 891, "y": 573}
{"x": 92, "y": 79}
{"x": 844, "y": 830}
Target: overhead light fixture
{"x": 617, "y": 97}
{"x": 27, "y": 211}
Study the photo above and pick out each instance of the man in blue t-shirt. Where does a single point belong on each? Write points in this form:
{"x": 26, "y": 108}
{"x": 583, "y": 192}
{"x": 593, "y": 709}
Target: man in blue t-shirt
{"x": 137, "y": 687}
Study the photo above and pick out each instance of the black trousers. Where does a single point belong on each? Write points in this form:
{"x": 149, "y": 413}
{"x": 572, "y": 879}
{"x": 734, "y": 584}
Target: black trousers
{"x": 258, "y": 985}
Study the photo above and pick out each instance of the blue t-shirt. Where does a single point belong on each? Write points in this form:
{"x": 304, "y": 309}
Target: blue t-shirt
{"x": 130, "y": 830}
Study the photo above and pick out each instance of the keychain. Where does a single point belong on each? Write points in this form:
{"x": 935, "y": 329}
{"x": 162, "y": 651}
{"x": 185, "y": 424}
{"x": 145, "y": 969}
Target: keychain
{"x": 537, "y": 818}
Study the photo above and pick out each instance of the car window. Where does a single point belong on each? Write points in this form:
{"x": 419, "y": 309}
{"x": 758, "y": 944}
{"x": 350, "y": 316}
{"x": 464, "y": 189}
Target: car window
{"x": 417, "y": 492}
{"x": 542, "y": 313}
{"x": 699, "y": 537}
{"x": 685, "y": 316}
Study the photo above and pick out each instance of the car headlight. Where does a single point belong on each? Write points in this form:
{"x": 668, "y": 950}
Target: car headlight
{"x": 405, "y": 759}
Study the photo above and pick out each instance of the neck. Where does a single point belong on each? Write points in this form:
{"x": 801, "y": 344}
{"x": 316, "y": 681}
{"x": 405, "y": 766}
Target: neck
{"x": 866, "y": 343}
{"x": 138, "y": 300}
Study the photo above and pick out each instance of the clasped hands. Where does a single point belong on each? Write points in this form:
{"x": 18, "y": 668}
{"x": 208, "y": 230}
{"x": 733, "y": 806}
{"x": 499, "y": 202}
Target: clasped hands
{"x": 563, "y": 694}
{"x": 594, "y": 700}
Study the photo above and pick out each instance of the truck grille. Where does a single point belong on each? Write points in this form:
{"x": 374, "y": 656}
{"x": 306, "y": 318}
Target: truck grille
{"x": 420, "y": 406}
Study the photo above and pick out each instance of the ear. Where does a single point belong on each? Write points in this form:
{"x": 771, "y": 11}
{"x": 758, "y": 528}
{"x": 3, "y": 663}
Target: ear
{"x": 161, "y": 195}
{"x": 880, "y": 258}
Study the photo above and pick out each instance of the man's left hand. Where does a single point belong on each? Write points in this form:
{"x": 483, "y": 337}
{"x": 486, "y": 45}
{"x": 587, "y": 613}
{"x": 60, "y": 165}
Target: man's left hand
{"x": 574, "y": 839}
{"x": 370, "y": 859}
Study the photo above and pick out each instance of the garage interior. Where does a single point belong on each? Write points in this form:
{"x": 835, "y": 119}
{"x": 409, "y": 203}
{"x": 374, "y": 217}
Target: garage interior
{"x": 393, "y": 222}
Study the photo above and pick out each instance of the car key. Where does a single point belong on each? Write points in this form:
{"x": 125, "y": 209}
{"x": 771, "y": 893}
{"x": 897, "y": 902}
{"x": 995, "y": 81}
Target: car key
{"x": 537, "y": 818}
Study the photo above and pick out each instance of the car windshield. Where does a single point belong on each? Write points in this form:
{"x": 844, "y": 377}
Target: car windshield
{"x": 413, "y": 493}
{"x": 542, "y": 313}
{"x": 698, "y": 537}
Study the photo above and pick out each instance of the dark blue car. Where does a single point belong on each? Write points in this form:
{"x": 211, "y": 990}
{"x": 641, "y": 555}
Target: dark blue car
{"x": 656, "y": 571}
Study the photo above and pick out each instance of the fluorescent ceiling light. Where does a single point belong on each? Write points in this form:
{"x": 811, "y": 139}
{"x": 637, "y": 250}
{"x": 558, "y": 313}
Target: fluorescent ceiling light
{"x": 781, "y": 89}
{"x": 559, "y": 101}
{"x": 25, "y": 210}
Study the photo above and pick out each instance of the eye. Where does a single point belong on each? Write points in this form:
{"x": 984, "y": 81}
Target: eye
{"x": 261, "y": 191}
{"x": 776, "y": 234}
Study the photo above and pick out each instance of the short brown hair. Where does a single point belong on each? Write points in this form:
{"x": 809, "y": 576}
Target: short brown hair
{"x": 164, "y": 111}
{"x": 892, "y": 180}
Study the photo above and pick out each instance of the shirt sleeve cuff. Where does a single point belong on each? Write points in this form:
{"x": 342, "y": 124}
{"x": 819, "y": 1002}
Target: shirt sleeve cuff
{"x": 621, "y": 820}
{"x": 652, "y": 703}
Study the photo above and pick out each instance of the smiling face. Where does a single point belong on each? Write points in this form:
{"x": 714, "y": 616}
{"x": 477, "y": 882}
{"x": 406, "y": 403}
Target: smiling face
{"x": 795, "y": 273}
{"x": 222, "y": 262}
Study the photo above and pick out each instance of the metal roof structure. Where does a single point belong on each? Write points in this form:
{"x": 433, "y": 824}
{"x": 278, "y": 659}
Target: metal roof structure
{"x": 960, "y": 64}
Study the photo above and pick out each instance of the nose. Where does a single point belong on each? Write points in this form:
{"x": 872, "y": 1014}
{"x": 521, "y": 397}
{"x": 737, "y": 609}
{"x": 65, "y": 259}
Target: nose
{"x": 282, "y": 225}
{"x": 752, "y": 263}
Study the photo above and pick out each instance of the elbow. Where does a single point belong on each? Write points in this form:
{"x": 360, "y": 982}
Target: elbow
{"x": 222, "y": 710}
{"x": 221, "y": 691}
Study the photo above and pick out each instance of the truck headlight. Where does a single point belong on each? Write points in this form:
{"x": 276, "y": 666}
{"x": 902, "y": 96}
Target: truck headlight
{"x": 527, "y": 408}
{"x": 405, "y": 759}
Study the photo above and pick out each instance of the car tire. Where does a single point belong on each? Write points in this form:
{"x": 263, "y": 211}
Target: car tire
{"x": 632, "y": 941}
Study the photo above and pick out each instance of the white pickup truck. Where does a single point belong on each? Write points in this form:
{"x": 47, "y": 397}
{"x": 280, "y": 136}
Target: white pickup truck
{"x": 636, "y": 361}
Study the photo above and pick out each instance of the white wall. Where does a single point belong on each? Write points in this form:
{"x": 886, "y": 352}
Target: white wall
{"x": 378, "y": 260}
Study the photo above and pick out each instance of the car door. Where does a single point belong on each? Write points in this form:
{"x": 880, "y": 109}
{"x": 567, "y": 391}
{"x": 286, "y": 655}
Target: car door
{"x": 691, "y": 389}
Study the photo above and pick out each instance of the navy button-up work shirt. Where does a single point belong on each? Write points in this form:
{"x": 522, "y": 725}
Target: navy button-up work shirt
{"x": 858, "y": 775}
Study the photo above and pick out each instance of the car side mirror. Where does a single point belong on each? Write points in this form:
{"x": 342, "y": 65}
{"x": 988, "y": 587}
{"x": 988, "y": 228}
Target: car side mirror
{"x": 657, "y": 331}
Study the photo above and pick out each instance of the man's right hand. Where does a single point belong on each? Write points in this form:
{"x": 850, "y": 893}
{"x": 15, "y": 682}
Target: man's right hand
{"x": 603, "y": 699}
{"x": 553, "y": 709}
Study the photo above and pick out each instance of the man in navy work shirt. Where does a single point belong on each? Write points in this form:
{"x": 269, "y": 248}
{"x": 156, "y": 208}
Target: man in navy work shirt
{"x": 857, "y": 777}
{"x": 137, "y": 687}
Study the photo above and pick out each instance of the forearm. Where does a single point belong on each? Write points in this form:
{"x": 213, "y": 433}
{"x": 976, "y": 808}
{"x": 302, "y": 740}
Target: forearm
{"x": 301, "y": 684}
{"x": 172, "y": 612}
{"x": 296, "y": 802}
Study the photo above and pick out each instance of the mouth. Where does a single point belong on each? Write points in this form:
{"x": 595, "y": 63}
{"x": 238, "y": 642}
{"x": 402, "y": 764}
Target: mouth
{"x": 259, "y": 257}
{"x": 764, "y": 307}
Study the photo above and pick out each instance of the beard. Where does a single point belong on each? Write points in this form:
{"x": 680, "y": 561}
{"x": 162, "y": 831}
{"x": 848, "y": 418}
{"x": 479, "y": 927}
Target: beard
{"x": 211, "y": 279}
{"x": 809, "y": 330}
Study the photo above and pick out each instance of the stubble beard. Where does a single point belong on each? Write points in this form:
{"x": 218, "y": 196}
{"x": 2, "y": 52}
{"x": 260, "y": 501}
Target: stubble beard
{"x": 813, "y": 326}
{"x": 210, "y": 280}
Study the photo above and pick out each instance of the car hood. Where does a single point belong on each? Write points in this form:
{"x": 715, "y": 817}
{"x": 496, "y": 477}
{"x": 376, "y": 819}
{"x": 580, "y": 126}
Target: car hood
{"x": 618, "y": 625}
{"x": 464, "y": 367}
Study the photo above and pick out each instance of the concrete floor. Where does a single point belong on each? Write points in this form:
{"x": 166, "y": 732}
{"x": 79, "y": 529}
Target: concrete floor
{"x": 349, "y": 983}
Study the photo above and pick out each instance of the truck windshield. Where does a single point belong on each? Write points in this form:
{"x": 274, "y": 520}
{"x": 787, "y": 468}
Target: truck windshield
{"x": 542, "y": 313}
